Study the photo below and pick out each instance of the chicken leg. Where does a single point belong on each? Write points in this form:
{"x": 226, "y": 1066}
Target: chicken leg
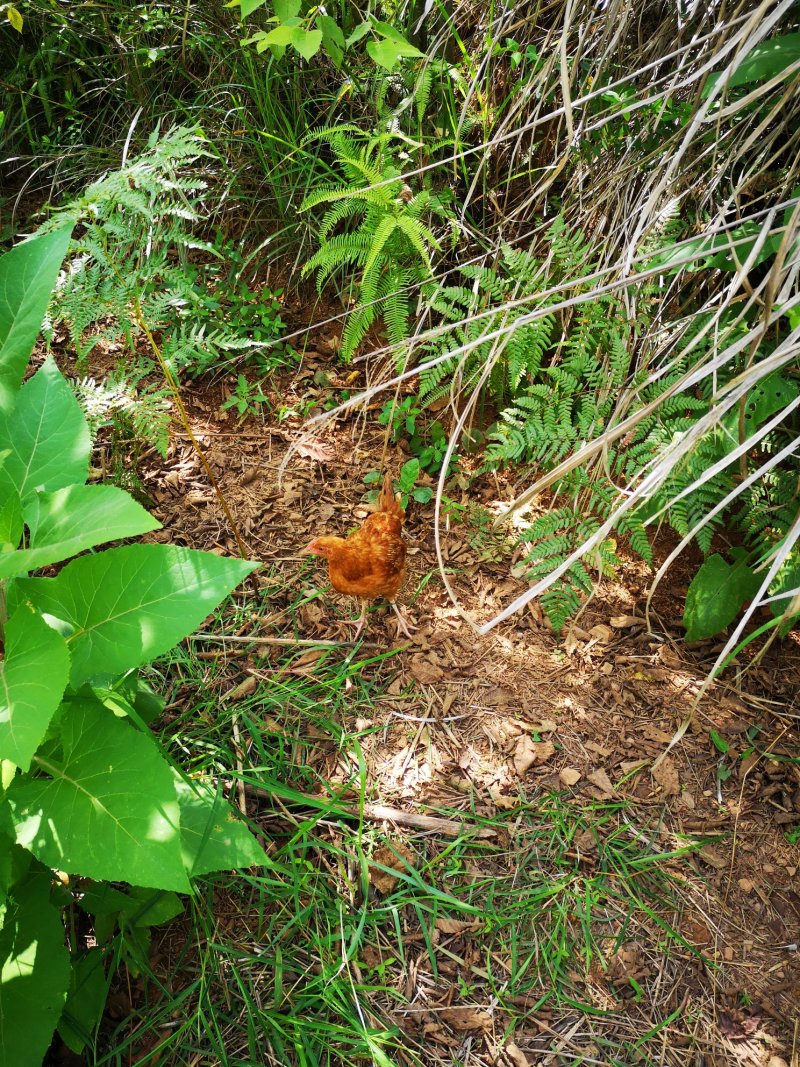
{"x": 402, "y": 625}
{"x": 360, "y": 622}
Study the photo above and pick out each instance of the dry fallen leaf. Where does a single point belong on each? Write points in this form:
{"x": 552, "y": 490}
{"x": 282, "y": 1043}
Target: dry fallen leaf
{"x": 467, "y": 1018}
{"x": 713, "y": 857}
{"x": 424, "y": 671}
{"x": 602, "y": 781}
{"x": 632, "y": 765}
{"x": 569, "y": 776}
{"x": 397, "y": 857}
{"x": 524, "y": 754}
{"x": 515, "y": 1055}
{"x": 666, "y": 775}
{"x": 446, "y": 925}
{"x": 601, "y": 632}
{"x": 243, "y": 689}
{"x": 623, "y": 622}
{"x": 313, "y": 448}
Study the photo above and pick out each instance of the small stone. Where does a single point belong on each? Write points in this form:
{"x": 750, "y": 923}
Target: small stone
{"x": 746, "y": 885}
{"x": 727, "y": 953}
{"x": 777, "y": 1061}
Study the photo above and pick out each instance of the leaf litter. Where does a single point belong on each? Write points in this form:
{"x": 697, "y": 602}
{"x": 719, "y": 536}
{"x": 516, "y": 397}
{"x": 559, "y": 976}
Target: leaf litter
{"x": 488, "y": 727}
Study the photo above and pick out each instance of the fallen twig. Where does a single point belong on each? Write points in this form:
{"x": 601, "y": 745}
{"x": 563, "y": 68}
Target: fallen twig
{"x": 383, "y": 813}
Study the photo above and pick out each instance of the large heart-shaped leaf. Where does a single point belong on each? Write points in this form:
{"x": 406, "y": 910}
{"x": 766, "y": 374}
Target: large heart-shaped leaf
{"x": 33, "y": 677}
{"x": 47, "y": 437}
{"x": 107, "y": 808}
{"x": 72, "y": 519}
{"x": 214, "y": 838}
{"x": 127, "y": 605}
{"x": 27, "y": 276}
{"x": 34, "y": 973}
{"x": 717, "y": 593}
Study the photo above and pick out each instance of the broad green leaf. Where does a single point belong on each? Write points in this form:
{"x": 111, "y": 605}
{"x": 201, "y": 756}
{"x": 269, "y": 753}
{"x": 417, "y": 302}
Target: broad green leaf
{"x": 307, "y": 42}
{"x": 719, "y": 742}
{"x": 331, "y": 31}
{"x": 287, "y": 9}
{"x": 384, "y": 53}
{"x": 764, "y": 400}
{"x": 385, "y": 29}
{"x": 34, "y": 974}
{"x": 408, "y": 475}
{"x": 107, "y": 809}
{"x": 716, "y": 595}
{"x": 14, "y": 18}
{"x": 70, "y": 520}
{"x": 761, "y": 63}
{"x": 127, "y": 605}
{"x": 281, "y": 35}
{"x": 138, "y": 907}
{"x": 131, "y": 696}
{"x": 47, "y": 436}
{"x": 86, "y": 998}
{"x": 15, "y": 862}
{"x": 249, "y": 6}
{"x": 360, "y": 31}
{"x": 717, "y": 252}
{"x": 33, "y": 677}
{"x": 10, "y": 521}
{"x": 213, "y": 837}
{"x": 28, "y": 274}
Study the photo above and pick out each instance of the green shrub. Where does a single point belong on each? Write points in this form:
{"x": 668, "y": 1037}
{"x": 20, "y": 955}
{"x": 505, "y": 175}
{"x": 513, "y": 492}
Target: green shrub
{"x": 378, "y": 229}
{"x": 88, "y": 797}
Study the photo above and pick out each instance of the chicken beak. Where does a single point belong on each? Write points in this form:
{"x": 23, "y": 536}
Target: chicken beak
{"x": 309, "y": 550}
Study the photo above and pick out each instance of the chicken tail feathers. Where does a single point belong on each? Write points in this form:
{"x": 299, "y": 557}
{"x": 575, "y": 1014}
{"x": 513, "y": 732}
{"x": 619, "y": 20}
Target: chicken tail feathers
{"x": 388, "y": 501}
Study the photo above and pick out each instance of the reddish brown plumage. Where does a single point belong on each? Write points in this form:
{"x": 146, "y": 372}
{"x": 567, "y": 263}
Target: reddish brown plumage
{"x": 370, "y": 562}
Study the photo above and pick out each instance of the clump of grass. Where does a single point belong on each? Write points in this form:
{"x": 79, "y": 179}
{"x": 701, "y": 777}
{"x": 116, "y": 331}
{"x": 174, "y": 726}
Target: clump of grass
{"x": 308, "y": 961}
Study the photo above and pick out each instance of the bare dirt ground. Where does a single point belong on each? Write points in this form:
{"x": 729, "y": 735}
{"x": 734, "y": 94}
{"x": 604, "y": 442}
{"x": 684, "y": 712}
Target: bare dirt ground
{"x": 482, "y": 725}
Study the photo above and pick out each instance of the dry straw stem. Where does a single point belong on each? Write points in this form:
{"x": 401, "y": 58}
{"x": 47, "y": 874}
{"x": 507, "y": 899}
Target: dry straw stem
{"x": 630, "y": 204}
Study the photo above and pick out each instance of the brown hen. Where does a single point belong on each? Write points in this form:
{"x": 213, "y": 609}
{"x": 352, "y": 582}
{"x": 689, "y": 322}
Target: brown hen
{"x": 370, "y": 562}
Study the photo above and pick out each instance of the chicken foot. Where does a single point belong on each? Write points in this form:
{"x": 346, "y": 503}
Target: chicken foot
{"x": 360, "y": 622}
{"x": 402, "y": 625}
